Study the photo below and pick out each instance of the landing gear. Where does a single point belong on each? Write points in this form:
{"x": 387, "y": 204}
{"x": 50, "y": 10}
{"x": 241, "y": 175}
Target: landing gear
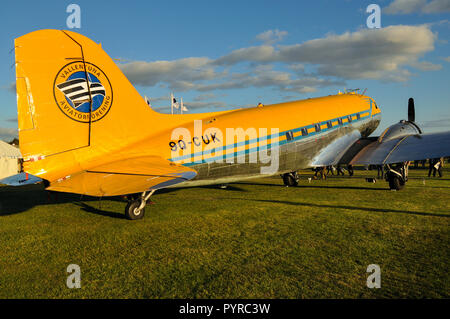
{"x": 135, "y": 208}
{"x": 290, "y": 179}
{"x": 397, "y": 176}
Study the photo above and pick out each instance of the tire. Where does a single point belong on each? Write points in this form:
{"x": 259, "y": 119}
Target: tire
{"x": 396, "y": 183}
{"x": 131, "y": 210}
{"x": 289, "y": 180}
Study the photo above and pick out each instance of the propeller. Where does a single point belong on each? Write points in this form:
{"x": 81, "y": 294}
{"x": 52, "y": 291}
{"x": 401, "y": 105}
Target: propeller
{"x": 411, "y": 110}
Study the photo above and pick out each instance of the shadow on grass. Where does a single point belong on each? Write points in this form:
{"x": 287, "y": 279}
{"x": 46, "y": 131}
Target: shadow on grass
{"x": 344, "y": 187}
{"x": 370, "y": 209}
{"x": 228, "y": 187}
{"x": 18, "y": 200}
{"x": 90, "y": 209}
{"x": 316, "y": 186}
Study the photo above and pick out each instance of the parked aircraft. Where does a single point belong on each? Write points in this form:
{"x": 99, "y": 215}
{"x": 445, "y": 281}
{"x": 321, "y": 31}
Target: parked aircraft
{"x": 83, "y": 128}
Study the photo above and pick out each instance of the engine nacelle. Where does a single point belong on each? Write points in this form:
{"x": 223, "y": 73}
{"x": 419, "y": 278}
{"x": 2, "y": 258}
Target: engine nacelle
{"x": 402, "y": 128}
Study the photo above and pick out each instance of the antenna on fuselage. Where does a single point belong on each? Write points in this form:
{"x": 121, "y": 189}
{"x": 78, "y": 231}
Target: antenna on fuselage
{"x": 352, "y": 91}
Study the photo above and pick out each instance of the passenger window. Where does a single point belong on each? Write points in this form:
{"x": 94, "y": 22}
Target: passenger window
{"x": 340, "y": 121}
{"x": 329, "y": 125}
{"x": 304, "y": 131}
{"x": 289, "y": 135}
{"x": 317, "y": 126}
{"x": 349, "y": 118}
{"x": 358, "y": 116}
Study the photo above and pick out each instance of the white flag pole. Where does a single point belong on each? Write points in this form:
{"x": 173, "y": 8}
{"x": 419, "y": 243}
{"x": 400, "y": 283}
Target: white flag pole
{"x": 171, "y": 102}
{"x": 181, "y": 108}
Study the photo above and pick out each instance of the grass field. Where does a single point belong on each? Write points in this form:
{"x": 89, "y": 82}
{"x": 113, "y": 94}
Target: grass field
{"x": 256, "y": 239}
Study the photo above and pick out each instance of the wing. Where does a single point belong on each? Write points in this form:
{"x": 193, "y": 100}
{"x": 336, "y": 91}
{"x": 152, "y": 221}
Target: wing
{"x": 335, "y": 151}
{"x": 123, "y": 177}
{"x": 401, "y": 149}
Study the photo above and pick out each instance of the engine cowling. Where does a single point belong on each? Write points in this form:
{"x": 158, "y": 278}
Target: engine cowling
{"x": 402, "y": 128}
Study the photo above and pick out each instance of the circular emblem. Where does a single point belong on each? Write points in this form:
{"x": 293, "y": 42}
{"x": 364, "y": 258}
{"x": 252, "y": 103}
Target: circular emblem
{"x": 80, "y": 97}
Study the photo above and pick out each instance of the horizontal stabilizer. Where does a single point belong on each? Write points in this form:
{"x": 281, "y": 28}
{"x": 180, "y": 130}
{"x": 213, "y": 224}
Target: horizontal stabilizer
{"x": 129, "y": 176}
{"x": 20, "y": 180}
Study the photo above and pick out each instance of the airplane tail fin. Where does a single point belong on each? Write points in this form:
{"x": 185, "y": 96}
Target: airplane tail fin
{"x": 73, "y": 100}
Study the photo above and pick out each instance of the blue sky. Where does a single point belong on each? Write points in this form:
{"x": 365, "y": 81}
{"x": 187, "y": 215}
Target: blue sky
{"x": 226, "y": 54}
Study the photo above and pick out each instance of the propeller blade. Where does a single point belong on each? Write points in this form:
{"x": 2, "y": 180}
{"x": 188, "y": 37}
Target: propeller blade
{"x": 411, "y": 110}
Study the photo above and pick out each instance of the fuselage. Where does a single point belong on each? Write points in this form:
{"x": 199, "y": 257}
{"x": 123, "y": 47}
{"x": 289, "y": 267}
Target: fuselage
{"x": 305, "y": 133}
{"x": 302, "y": 131}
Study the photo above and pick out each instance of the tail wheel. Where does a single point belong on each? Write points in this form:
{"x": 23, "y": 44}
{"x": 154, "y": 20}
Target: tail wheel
{"x": 132, "y": 210}
{"x": 395, "y": 182}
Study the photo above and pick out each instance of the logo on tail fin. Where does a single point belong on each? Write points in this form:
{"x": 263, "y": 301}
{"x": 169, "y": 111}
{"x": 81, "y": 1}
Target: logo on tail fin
{"x": 83, "y": 94}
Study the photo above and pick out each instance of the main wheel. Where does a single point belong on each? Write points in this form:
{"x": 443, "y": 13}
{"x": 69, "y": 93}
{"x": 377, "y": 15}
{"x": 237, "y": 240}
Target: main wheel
{"x": 132, "y": 210}
{"x": 289, "y": 180}
{"x": 396, "y": 182}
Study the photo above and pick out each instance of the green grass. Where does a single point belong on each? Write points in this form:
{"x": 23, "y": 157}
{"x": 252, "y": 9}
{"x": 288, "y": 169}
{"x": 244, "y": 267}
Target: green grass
{"x": 256, "y": 239}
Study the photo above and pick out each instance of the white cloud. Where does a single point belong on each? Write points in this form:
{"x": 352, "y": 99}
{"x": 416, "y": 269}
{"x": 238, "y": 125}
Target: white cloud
{"x": 7, "y": 134}
{"x": 404, "y": 6}
{"x": 159, "y": 99}
{"x": 412, "y": 6}
{"x": 271, "y": 36}
{"x": 191, "y": 106}
{"x": 437, "y": 6}
{"x": 426, "y": 66}
{"x": 386, "y": 54}
{"x": 203, "y": 97}
{"x": 263, "y": 53}
{"x": 364, "y": 54}
{"x": 264, "y": 76}
{"x": 441, "y": 123}
{"x": 199, "y": 105}
{"x": 10, "y": 87}
{"x": 151, "y": 73}
{"x": 298, "y": 67}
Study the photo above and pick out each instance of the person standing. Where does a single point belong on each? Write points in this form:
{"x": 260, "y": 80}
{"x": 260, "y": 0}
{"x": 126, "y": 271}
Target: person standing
{"x": 330, "y": 168}
{"x": 436, "y": 165}
{"x": 316, "y": 171}
{"x": 339, "y": 170}
{"x": 322, "y": 172}
{"x": 441, "y": 166}
{"x": 380, "y": 171}
{"x": 431, "y": 167}
{"x": 350, "y": 169}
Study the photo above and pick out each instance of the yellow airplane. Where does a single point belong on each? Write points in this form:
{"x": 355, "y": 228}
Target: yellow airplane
{"x": 83, "y": 128}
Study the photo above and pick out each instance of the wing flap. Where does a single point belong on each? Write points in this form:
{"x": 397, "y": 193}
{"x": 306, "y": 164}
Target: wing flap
{"x": 123, "y": 177}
